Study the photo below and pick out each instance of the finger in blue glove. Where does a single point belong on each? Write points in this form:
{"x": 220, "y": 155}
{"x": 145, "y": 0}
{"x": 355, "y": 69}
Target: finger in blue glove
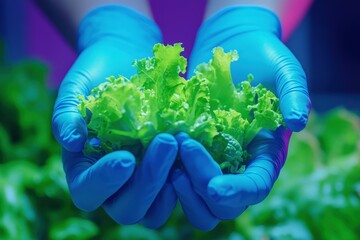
{"x": 161, "y": 208}
{"x": 92, "y": 182}
{"x": 201, "y": 169}
{"x": 131, "y": 203}
{"x": 194, "y": 206}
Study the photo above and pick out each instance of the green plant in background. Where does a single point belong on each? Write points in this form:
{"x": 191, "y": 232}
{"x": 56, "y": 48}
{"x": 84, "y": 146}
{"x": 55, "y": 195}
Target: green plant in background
{"x": 25, "y": 110}
{"x": 34, "y": 199}
{"x": 317, "y": 195}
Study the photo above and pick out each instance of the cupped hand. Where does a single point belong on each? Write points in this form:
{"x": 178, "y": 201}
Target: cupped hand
{"x": 110, "y": 39}
{"x": 206, "y": 194}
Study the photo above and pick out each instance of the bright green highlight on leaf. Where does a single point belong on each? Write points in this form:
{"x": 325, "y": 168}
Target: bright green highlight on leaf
{"x": 127, "y": 113}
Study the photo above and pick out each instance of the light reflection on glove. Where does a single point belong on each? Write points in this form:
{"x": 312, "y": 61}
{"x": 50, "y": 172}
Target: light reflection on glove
{"x": 110, "y": 38}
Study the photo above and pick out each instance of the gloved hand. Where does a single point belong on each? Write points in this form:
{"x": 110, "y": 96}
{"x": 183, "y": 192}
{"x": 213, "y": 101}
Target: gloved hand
{"x": 255, "y": 33}
{"x": 109, "y": 39}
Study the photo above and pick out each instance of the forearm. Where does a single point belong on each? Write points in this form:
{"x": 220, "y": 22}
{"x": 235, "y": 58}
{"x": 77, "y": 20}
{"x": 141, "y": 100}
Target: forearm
{"x": 214, "y": 6}
{"x": 290, "y": 12}
{"x": 67, "y": 14}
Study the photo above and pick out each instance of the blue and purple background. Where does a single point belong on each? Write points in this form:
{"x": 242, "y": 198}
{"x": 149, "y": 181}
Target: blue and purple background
{"x": 327, "y": 43}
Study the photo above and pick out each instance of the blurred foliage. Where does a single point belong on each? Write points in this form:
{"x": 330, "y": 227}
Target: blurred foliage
{"x": 317, "y": 195}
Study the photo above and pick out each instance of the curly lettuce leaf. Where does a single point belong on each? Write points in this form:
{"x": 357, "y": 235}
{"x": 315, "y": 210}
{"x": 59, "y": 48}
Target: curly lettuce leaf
{"x": 218, "y": 75}
{"x": 127, "y": 113}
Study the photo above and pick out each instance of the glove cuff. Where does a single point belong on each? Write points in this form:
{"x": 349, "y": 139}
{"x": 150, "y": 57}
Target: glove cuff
{"x": 236, "y": 20}
{"x": 118, "y": 23}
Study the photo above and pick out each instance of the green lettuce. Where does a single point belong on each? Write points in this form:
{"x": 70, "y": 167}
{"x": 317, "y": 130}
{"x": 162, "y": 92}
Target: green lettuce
{"x": 124, "y": 113}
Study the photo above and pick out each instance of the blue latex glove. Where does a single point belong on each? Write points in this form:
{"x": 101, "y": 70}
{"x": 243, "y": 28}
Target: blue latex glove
{"x": 109, "y": 39}
{"x": 255, "y": 33}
